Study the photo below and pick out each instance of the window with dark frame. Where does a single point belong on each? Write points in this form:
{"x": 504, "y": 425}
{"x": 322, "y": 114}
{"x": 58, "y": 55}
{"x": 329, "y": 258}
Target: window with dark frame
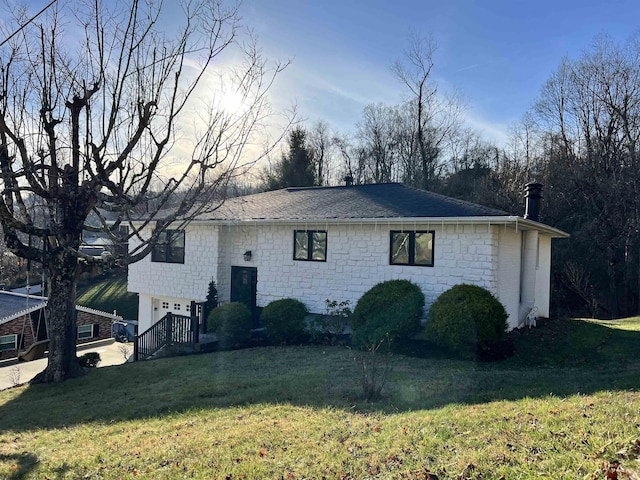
{"x": 169, "y": 248}
{"x": 310, "y": 245}
{"x": 411, "y": 248}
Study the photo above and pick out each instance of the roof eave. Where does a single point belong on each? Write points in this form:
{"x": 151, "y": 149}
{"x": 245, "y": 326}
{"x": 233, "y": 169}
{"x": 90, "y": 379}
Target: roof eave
{"x": 526, "y": 224}
{"x": 22, "y": 313}
{"x": 516, "y": 222}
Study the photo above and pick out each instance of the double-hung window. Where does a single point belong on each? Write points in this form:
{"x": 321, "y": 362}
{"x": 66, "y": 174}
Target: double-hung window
{"x": 8, "y": 342}
{"x": 87, "y": 331}
{"x": 411, "y": 248}
{"x": 310, "y": 245}
{"x": 169, "y": 247}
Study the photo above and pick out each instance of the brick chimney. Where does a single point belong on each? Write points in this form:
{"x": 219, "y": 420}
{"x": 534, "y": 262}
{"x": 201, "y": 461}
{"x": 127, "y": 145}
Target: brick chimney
{"x": 533, "y": 197}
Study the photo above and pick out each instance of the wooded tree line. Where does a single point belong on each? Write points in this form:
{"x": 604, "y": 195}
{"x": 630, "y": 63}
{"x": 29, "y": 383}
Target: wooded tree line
{"x": 580, "y": 139}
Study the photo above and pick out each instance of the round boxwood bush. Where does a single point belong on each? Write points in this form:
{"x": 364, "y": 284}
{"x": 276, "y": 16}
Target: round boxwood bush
{"x": 231, "y": 322}
{"x": 284, "y": 321}
{"x": 89, "y": 360}
{"x": 390, "y": 309}
{"x": 468, "y": 320}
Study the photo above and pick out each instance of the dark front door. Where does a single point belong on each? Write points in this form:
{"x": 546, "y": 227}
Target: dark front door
{"x": 244, "y": 284}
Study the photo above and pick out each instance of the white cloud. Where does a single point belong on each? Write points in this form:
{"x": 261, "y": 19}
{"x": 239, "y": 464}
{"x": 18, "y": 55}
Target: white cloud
{"x": 495, "y": 132}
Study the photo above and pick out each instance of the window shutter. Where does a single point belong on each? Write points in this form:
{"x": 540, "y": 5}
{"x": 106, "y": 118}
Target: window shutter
{"x": 96, "y": 330}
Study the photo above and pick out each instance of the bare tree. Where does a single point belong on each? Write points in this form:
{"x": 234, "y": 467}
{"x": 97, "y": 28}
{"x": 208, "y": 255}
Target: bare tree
{"x": 354, "y": 159}
{"x": 321, "y": 144}
{"x": 590, "y": 112}
{"x": 435, "y": 116}
{"x": 98, "y": 104}
{"x": 376, "y": 133}
{"x": 414, "y": 72}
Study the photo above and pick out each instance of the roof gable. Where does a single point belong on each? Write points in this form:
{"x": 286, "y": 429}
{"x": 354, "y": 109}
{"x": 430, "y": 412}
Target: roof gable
{"x": 14, "y": 305}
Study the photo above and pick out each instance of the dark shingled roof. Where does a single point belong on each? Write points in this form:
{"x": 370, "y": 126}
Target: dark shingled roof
{"x": 11, "y": 305}
{"x": 384, "y": 201}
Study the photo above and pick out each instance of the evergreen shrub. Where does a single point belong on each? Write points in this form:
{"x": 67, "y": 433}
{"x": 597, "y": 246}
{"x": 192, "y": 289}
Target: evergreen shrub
{"x": 284, "y": 321}
{"x": 89, "y": 360}
{"x": 391, "y": 309}
{"x": 468, "y": 320}
{"x": 231, "y": 322}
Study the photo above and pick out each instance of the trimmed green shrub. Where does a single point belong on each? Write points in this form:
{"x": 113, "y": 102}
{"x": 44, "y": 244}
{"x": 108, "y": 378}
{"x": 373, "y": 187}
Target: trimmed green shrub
{"x": 231, "y": 322}
{"x": 390, "y": 310}
{"x": 284, "y": 320}
{"x": 89, "y": 360}
{"x": 468, "y": 320}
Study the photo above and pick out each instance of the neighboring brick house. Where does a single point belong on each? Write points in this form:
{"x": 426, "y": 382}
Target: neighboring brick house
{"x": 335, "y": 243}
{"x": 22, "y": 321}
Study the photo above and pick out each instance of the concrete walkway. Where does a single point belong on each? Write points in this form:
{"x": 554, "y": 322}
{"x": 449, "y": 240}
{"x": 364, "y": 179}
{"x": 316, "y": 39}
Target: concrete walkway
{"x": 13, "y": 373}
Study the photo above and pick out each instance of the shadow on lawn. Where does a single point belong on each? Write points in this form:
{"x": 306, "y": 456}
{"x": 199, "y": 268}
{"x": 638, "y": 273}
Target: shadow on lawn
{"x": 21, "y": 464}
{"x": 564, "y": 357}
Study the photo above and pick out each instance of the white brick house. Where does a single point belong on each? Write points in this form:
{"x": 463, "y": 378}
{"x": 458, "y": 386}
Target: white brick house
{"x": 335, "y": 243}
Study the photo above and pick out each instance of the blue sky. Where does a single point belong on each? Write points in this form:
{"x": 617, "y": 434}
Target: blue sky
{"x": 497, "y": 53}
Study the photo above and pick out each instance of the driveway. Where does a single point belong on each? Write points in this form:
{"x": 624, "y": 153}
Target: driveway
{"x": 111, "y": 353}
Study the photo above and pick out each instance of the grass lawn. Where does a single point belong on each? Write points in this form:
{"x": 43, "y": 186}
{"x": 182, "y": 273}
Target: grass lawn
{"x": 562, "y": 408}
{"x": 109, "y": 294}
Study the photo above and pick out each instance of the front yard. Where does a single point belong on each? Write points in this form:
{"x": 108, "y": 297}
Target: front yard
{"x": 562, "y": 408}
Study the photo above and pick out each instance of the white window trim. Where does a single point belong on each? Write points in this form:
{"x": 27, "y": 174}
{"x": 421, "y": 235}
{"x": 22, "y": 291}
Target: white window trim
{"x": 84, "y": 328}
{"x": 14, "y": 342}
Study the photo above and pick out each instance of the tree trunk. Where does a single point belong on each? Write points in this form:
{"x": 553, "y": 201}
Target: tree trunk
{"x": 61, "y": 321}
{"x": 613, "y": 289}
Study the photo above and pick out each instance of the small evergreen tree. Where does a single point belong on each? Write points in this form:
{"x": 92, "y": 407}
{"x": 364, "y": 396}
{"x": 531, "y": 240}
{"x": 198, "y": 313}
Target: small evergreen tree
{"x": 212, "y": 299}
{"x": 297, "y": 166}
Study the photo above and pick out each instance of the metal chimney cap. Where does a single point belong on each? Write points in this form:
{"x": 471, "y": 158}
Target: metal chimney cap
{"x": 533, "y": 188}
{"x": 533, "y": 197}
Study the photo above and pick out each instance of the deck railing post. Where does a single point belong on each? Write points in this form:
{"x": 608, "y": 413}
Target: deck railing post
{"x": 195, "y": 329}
{"x": 135, "y": 348}
{"x": 169, "y": 329}
{"x": 194, "y": 326}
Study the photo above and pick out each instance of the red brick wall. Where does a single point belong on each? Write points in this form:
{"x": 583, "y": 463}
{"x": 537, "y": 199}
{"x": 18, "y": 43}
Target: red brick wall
{"x": 14, "y": 327}
{"x": 104, "y": 325}
{"x": 84, "y": 318}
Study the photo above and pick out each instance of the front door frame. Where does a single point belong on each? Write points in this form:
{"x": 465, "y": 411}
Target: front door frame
{"x": 236, "y": 294}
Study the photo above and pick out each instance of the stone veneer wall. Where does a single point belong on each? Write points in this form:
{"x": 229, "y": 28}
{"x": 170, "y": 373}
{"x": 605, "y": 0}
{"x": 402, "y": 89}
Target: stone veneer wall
{"x": 357, "y": 259}
{"x": 176, "y": 280}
